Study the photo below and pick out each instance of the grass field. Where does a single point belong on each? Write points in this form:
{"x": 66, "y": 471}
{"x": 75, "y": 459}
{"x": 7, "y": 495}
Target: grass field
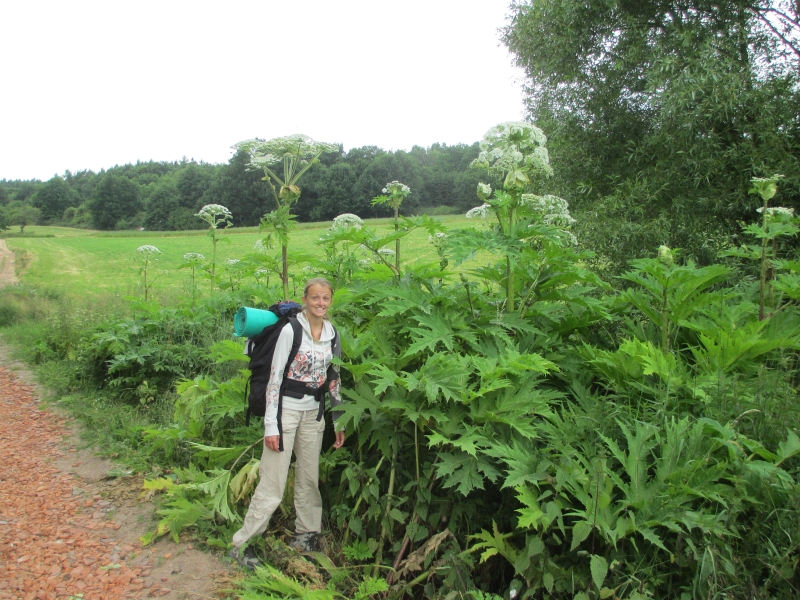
{"x": 83, "y": 262}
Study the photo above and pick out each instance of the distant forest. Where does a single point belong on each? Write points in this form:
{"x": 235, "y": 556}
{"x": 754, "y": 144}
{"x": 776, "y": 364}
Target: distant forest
{"x": 165, "y": 196}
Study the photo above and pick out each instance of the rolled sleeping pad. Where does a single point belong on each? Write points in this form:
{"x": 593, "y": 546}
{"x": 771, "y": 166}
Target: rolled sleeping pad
{"x": 249, "y": 322}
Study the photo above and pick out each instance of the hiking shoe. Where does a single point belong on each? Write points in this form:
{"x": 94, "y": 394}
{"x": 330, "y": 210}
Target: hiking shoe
{"x": 305, "y": 542}
{"x": 247, "y": 559}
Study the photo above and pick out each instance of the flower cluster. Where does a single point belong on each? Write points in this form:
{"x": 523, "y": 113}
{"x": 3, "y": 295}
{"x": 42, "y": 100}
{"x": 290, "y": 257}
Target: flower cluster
{"x": 271, "y": 152}
{"x": 478, "y": 211}
{"x": 395, "y": 188}
{"x": 554, "y": 210}
{"x": 232, "y": 261}
{"x": 780, "y": 211}
{"x": 193, "y": 257}
{"x": 438, "y": 239}
{"x": 386, "y": 252}
{"x": 484, "y": 191}
{"x": 514, "y": 147}
{"x": 147, "y": 250}
{"x": 215, "y": 215}
{"x": 259, "y": 272}
{"x": 347, "y": 221}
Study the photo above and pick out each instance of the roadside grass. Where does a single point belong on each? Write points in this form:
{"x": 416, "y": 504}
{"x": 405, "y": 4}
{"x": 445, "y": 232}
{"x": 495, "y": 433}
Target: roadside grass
{"x": 90, "y": 263}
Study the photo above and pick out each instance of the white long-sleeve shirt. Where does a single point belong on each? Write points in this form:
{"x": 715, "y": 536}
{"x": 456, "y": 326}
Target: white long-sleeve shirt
{"x": 310, "y": 365}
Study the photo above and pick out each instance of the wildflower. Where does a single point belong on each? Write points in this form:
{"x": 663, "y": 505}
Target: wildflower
{"x": 780, "y": 211}
{"x": 215, "y": 215}
{"x": 478, "y": 211}
{"x": 232, "y": 261}
{"x": 484, "y": 191}
{"x": 148, "y": 250}
{"x": 554, "y": 210}
{"x": 438, "y": 239}
{"x": 271, "y": 152}
{"x": 260, "y": 246}
{"x": 386, "y": 252}
{"x": 766, "y": 187}
{"x": 347, "y": 221}
{"x": 260, "y": 272}
{"x": 395, "y": 188}
{"x": 514, "y": 147}
{"x": 193, "y": 256}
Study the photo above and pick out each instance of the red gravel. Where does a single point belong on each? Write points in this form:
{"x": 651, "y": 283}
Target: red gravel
{"x": 54, "y": 542}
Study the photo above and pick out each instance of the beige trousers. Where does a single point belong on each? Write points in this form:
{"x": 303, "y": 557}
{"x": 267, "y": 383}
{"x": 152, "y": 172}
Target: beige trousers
{"x": 303, "y": 434}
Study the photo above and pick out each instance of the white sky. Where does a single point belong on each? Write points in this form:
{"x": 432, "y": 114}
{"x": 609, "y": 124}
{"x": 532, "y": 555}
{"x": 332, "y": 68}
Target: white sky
{"x": 88, "y": 85}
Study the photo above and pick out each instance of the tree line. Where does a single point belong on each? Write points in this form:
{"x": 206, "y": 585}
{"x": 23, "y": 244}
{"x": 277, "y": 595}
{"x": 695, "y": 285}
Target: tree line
{"x": 165, "y": 196}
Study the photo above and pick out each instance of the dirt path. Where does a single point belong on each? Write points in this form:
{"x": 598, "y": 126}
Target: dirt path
{"x": 8, "y": 275}
{"x": 69, "y": 532}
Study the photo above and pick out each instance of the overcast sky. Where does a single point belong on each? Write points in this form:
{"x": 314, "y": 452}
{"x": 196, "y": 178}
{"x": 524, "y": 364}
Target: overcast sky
{"x": 88, "y": 85}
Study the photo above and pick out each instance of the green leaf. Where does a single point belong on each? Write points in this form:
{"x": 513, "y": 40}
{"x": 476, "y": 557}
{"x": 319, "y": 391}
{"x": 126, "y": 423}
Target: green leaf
{"x": 788, "y": 448}
{"x": 435, "y": 330}
{"x": 462, "y": 471}
{"x": 580, "y": 531}
{"x": 599, "y": 568}
{"x": 548, "y": 581}
{"x": 447, "y": 374}
{"x": 531, "y": 514}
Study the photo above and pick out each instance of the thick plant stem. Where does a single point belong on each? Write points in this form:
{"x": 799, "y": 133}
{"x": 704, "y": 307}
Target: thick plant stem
{"x": 512, "y": 217}
{"x": 763, "y": 282}
{"x": 397, "y": 241}
{"x": 213, "y": 257}
{"x": 384, "y": 529}
{"x": 664, "y": 322}
{"x": 285, "y": 270}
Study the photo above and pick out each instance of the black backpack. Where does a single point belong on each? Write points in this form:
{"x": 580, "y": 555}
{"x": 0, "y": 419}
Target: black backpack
{"x": 261, "y": 349}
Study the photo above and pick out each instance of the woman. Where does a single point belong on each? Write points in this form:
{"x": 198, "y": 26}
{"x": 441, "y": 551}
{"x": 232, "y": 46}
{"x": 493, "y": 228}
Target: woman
{"x": 301, "y": 425}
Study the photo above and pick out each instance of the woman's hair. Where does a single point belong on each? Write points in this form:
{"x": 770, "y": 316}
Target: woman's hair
{"x": 317, "y": 281}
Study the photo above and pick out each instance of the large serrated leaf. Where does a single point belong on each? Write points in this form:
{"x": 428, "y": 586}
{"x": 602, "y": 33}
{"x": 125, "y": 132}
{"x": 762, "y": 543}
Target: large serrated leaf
{"x": 599, "y": 568}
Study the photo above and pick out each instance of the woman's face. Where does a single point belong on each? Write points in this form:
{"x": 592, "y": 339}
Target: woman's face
{"x": 317, "y": 300}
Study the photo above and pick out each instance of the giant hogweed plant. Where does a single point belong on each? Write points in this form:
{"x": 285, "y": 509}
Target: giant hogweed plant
{"x": 516, "y": 153}
{"x": 296, "y": 154}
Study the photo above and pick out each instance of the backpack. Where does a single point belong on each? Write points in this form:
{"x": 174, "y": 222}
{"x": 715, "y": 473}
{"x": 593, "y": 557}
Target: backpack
{"x": 261, "y": 349}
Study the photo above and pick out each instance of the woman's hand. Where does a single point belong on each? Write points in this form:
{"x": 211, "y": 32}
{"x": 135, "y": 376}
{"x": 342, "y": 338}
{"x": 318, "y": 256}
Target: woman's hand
{"x": 339, "y": 439}
{"x": 273, "y": 442}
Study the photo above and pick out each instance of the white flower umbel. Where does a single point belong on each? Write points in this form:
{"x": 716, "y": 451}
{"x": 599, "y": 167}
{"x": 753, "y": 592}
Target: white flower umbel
{"x": 271, "y": 152}
{"x": 386, "y": 252}
{"x": 478, "y": 211}
{"x": 438, "y": 240}
{"x": 261, "y": 272}
{"x": 484, "y": 191}
{"x": 396, "y": 188}
{"x": 193, "y": 257}
{"x": 231, "y": 262}
{"x": 347, "y": 221}
{"x": 148, "y": 250}
{"x": 215, "y": 215}
{"x": 781, "y": 211}
{"x": 554, "y": 210}
{"x": 515, "y": 146}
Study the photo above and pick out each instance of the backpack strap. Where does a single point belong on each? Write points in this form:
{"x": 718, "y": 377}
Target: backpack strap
{"x": 297, "y": 330}
{"x": 321, "y": 399}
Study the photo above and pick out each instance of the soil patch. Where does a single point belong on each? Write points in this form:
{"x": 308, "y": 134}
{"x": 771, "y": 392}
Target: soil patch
{"x": 66, "y": 528}
{"x": 8, "y": 275}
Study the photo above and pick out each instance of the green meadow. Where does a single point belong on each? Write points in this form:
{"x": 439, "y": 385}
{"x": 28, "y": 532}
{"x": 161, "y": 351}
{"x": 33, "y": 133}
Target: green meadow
{"x": 83, "y": 262}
